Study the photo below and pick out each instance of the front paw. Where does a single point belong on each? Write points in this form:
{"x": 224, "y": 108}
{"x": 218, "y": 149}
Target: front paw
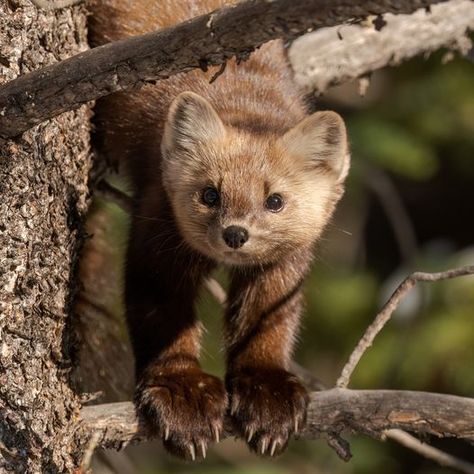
{"x": 184, "y": 407}
{"x": 267, "y": 407}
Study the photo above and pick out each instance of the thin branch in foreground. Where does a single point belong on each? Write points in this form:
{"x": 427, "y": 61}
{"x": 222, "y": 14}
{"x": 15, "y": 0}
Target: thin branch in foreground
{"x": 383, "y": 317}
{"x": 429, "y": 452}
{"x": 208, "y": 40}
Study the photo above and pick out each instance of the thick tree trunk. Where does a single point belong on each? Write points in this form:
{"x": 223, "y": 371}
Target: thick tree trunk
{"x": 43, "y": 190}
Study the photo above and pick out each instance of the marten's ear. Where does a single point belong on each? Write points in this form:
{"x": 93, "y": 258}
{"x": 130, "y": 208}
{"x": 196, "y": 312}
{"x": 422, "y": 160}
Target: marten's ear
{"x": 191, "y": 120}
{"x": 321, "y": 140}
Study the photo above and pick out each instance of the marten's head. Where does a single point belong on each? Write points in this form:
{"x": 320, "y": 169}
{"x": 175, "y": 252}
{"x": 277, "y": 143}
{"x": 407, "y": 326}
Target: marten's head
{"x": 249, "y": 199}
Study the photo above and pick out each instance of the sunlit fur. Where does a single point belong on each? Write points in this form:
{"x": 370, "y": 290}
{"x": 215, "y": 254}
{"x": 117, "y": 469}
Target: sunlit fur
{"x": 306, "y": 166}
{"x": 256, "y": 103}
{"x": 248, "y": 134}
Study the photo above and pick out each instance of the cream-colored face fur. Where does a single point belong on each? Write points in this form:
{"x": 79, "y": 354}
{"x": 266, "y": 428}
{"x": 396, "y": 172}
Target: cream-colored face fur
{"x": 306, "y": 167}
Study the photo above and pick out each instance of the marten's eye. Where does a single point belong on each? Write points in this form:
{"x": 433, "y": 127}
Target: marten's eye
{"x": 274, "y": 203}
{"x": 210, "y": 196}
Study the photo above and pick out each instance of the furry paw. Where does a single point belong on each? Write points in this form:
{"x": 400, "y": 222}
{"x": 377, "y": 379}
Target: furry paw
{"x": 185, "y": 408}
{"x": 267, "y": 406}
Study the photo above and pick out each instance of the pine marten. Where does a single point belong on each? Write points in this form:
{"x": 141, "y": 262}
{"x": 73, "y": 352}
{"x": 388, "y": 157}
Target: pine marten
{"x": 233, "y": 172}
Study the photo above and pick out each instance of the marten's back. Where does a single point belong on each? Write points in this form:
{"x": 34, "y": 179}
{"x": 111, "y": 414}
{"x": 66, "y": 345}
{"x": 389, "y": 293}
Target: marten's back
{"x": 117, "y": 19}
{"x": 259, "y": 92}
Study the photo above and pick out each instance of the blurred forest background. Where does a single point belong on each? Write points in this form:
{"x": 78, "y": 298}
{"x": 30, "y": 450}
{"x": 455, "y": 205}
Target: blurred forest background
{"x": 409, "y": 206}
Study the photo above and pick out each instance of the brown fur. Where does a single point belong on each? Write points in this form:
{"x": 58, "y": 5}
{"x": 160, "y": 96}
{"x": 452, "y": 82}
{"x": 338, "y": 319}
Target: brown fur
{"x": 248, "y": 135}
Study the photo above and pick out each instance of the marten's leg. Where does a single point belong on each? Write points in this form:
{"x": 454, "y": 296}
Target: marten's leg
{"x": 267, "y": 403}
{"x": 176, "y": 399}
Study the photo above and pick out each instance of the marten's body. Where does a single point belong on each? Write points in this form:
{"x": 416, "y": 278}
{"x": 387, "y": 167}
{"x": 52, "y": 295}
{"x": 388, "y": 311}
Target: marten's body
{"x": 230, "y": 172}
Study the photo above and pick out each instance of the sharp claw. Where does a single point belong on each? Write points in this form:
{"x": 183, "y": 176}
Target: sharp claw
{"x": 203, "y": 448}
{"x": 216, "y": 434}
{"x": 274, "y": 445}
{"x": 296, "y": 426}
{"x": 250, "y": 434}
{"x": 167, "y": 433}
{"x": 192, "y": 451}
{"x": 264, "y": 446}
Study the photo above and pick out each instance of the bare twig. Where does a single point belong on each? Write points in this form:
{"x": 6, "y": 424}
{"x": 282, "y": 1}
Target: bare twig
{"x": 340, "y": 446}
{"x": 429, "y": 452}
{"x": 49, "y": 5}
{"x": 216, "y": 290}
{"x": 382, "y": 318}
{"x": 207, "y": 40}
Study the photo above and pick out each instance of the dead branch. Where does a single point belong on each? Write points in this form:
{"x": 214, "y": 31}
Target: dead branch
{"x": 208, "y": 40}
{"x": 382, "y": 318}
{"x": 429, "y": 452}
{"x": 333, "y": 55}
{"x": 334, "y": 411}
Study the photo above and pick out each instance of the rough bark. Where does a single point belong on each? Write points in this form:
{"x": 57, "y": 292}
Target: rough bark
{"x": 43, "y": 188}
{"x": 205, "y": 41}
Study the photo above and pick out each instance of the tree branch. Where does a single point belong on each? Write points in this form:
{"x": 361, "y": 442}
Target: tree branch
{"x": 208, "y": 40}
{"x": 383, "y": 317}
{"x": 429, "y": 452}
{"x": 333, "y": 55}
{"x": 334, "y": 411}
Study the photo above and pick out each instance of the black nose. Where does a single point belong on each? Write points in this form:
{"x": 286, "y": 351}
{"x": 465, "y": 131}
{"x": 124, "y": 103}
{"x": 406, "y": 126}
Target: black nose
{"x": 235, "y": 236}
